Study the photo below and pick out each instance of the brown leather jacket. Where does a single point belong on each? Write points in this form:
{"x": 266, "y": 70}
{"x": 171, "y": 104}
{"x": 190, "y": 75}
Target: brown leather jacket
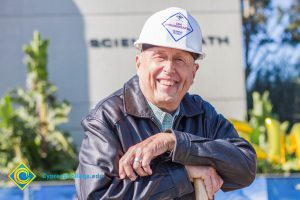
{"x": 203, "y": 137}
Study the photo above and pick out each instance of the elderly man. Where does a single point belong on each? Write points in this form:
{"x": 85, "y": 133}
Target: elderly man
{"x": 151, "y": 138}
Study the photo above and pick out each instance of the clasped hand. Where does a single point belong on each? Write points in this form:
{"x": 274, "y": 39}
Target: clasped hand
{"x": 136, "y": 161}
{"x": 138, "y": 157}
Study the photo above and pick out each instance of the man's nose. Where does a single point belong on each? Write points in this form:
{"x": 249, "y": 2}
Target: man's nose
{"x": 169, "y": 67}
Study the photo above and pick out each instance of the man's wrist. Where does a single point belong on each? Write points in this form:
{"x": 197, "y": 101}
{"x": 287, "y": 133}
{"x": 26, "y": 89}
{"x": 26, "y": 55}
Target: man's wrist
{"x": 171, "y": 142}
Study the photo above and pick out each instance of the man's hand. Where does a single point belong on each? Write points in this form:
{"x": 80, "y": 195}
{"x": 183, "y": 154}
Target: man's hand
{"x": 212, "y": 181}
{"x": 139, "y": 156}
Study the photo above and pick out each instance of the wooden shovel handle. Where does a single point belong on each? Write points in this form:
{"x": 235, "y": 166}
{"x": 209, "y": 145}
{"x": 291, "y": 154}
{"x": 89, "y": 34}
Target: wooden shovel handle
{"x": 200, "y": 190}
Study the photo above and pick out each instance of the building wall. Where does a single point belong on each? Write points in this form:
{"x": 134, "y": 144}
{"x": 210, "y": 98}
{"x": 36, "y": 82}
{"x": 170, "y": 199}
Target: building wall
{"x": 91, "y": 53}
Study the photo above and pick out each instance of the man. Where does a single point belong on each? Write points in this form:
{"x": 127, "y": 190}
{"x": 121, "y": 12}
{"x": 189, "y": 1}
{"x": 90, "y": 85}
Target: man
{"x": 150, "y": 139}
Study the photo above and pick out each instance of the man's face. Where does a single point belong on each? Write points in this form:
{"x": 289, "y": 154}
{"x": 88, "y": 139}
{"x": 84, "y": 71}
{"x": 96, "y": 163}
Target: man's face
{"x": 165, "y": 75}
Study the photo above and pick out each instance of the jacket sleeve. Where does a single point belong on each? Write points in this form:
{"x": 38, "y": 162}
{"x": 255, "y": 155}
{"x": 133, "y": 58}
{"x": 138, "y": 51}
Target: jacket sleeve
{"x": 99, "y": 158}
{"x": 221, "y": 147}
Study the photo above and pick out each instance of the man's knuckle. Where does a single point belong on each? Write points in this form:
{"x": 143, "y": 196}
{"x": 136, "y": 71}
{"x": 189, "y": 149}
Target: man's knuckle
{"x": 130, "y": 176}
{"x": 136, "y": 167}
{"x": 131, "y": 148}
{"x": 145, "y": 164}
{"x": 138, "y": 149}
{"x": 207, "y": 183}
{"x": 146, "y": 150}
{"x": 126, "y": 162}
{"x": 206, "y": 176}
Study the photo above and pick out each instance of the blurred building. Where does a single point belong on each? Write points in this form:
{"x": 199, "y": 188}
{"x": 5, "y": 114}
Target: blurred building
{"x": 91, "y": 53}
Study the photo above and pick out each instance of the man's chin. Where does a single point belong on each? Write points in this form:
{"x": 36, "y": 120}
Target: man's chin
{"x": 165, "y": 100}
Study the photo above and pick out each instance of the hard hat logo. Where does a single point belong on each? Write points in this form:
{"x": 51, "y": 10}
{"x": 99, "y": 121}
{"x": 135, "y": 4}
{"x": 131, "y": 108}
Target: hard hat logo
{"x": 179, "y": 17}
{"x": 178, "y": 26}
{"x": 174, "y": 28}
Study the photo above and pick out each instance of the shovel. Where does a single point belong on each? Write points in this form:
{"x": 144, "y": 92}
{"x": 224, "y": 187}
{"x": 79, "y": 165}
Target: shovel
{"x": 200, "y": 190}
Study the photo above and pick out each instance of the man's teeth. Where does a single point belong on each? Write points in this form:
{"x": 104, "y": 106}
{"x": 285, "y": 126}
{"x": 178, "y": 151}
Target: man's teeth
{"x": 166, "y": 82}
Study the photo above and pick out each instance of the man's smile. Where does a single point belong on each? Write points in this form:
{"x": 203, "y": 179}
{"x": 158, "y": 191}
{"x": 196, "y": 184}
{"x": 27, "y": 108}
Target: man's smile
{"x": 167, "y": 82}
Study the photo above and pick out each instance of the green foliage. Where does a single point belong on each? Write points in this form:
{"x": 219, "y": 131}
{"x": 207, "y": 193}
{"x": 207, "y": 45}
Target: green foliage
{"x": 273, "y": 61}
{"x": 276, "y": 151}
{"x": 262, "y": 108}
{"x": 284, "y": 92}
{"x": 29, "y": 120}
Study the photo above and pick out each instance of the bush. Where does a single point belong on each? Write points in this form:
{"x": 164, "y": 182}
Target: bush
{"x": 276, "y": 151}
{"x": 29, "y": 120}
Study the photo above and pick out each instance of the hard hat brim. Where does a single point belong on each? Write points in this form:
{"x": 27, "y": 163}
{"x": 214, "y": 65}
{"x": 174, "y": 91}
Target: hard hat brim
{"x": 138, "y": 44}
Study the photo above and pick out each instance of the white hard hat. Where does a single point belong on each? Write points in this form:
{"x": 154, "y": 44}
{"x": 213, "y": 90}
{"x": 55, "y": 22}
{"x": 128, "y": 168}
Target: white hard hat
{"x": 174, "y": 28}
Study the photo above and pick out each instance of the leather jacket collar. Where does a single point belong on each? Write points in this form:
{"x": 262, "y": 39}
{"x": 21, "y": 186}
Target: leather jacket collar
{"x": 136, "y": 104}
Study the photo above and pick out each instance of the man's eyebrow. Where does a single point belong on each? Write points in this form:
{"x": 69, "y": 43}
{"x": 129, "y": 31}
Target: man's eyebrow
{"x": 180, "y": 54}
{"x": 159, "y": 52}
{"x": 163, "y": 52}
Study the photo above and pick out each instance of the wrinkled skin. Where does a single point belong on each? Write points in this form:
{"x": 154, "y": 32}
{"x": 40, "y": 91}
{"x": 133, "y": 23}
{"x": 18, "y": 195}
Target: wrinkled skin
{"x": 165, "y": 75}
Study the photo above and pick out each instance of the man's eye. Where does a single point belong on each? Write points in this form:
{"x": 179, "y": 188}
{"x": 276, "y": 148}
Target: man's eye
{"x": 159, "y": 58}
{"x": 179, "y": 59}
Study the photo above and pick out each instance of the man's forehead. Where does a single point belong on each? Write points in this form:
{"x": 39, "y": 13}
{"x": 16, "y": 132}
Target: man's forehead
{"x": 162, "y": 49}
{"x": 159, "y": 49}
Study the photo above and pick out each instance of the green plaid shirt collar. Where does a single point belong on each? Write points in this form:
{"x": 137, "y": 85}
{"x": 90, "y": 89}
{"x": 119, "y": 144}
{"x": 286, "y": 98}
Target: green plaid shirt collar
{"x": 165, "y": 119}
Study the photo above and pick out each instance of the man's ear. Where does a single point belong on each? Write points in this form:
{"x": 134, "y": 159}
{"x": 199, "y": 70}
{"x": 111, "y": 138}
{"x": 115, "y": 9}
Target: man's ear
{"x": 196, "y": 67}
{"x": 137, "y": 62}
